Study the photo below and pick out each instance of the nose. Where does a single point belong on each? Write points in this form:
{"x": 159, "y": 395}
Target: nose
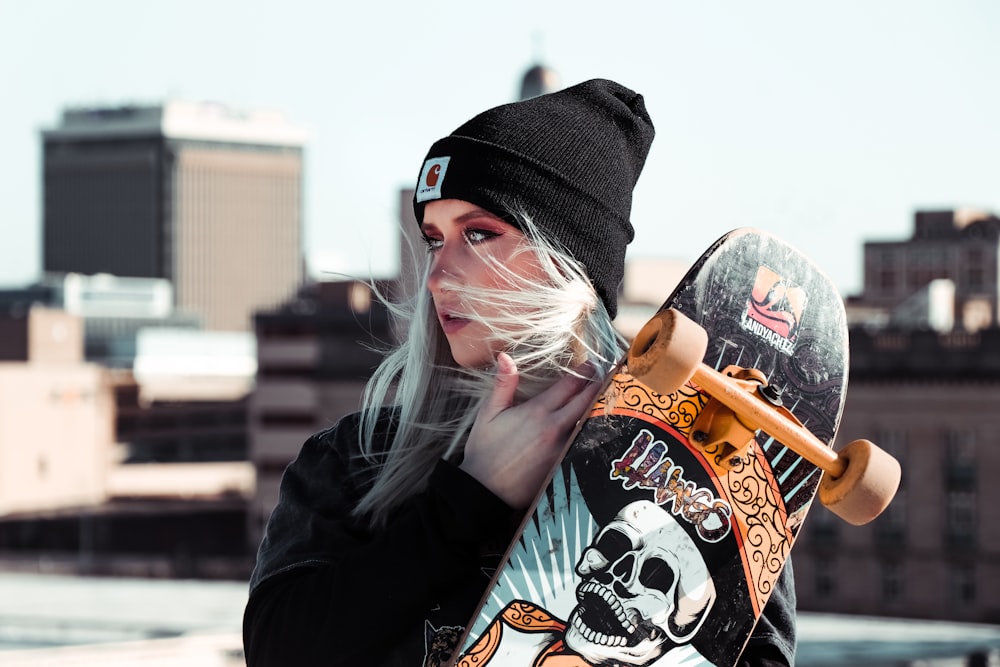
{"x": 439, "y": 271}
{"x": 434, "y": 275}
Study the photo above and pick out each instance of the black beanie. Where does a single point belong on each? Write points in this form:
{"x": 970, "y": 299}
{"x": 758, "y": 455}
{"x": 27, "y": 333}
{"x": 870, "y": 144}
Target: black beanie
{"x": 569, "y": 160}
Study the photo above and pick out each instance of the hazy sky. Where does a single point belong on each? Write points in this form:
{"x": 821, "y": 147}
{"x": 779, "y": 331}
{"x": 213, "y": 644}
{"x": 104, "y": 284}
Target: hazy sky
{"x": 827, "y": 123}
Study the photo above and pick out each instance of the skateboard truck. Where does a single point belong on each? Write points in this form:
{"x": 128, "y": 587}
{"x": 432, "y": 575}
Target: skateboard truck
{"x": 859, "y": 481}
{"x": 726, "y": 434}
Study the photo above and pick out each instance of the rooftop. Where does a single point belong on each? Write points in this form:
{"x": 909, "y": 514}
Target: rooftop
{"x": 54, "y": 620}
{"x": 178, "y": 119}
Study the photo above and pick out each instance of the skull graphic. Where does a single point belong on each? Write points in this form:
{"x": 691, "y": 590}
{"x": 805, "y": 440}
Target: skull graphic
{"x": 645, "y": 589}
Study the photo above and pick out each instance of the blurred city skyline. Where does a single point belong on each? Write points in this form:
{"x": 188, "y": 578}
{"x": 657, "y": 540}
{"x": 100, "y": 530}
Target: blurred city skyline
{"x": 828, "y": 125}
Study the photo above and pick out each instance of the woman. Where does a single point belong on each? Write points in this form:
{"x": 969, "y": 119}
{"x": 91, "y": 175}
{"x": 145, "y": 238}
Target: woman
{"x": 390, "y": 524}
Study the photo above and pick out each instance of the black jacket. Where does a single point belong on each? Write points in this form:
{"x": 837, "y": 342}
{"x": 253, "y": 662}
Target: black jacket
{"x": 328, "y": 590}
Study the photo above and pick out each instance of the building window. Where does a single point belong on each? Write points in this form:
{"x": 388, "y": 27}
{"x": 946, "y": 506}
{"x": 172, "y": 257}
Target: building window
{"x": 892, "y": 582}
{"x": 886, "y": 281}
{"x": 883, "y": 270}
{"x": 890, "y": 526}
{"x": 963, "y": 585}
{"x": 889, "y": 529}
{"x": 960, "y": 529}
{"x": 960, "y": 460}
{"x": 824, "y": 527}
{"x": 893, "y": 442}
{"x": 825, "y": 579}
{"x": 974, "y": 267}
{"x": 959, "y": 466}
{"x": 975, "y": 277}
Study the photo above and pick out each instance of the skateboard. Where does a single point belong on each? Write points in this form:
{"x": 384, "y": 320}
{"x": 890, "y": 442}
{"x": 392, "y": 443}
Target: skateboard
{"x": 658, "y": 538}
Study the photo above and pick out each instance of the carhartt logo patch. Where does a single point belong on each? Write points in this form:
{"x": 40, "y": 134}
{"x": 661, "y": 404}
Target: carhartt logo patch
{"x": 432, "y": 178}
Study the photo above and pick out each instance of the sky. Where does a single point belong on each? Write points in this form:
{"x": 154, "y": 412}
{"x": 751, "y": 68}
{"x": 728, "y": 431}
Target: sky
{"x": 826, "y": 123}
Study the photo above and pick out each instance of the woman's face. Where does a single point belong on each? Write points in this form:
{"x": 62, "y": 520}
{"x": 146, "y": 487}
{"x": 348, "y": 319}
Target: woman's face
{"x": 466, "y": 243}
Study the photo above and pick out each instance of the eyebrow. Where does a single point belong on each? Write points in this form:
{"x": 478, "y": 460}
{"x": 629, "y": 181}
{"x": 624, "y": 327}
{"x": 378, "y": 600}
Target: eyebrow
{"x": 470, "y": 215}
{"x": 478, "y": 213}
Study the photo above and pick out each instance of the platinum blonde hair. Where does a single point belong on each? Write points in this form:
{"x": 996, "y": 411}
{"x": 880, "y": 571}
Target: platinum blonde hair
{"x": 549, "y": 327}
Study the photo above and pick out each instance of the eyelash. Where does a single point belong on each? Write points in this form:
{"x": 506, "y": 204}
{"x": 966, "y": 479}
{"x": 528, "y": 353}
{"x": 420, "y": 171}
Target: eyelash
{"x": 483, "y": 235}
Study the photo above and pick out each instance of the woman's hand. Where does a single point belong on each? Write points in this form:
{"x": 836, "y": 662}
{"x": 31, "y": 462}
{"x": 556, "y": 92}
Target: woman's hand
{"x": 512, "y": 448}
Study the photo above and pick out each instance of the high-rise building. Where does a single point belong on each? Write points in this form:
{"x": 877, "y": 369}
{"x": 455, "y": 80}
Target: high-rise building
{"x": 198, "y": 194}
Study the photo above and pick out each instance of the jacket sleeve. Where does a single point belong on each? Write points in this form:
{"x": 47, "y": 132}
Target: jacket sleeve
{"x": 773, "y": 640}
{"x": 325, "y": 589}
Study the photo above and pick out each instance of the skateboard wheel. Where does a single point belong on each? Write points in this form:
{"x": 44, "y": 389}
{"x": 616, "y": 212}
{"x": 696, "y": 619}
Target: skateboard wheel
{"x": 869, "y": 482}
{"x": 666, "y": 351}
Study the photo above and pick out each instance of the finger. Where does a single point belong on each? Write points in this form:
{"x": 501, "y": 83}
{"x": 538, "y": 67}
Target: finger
{"x": 585, "y": 401}
{"x": 568, "y": 388}
{"x": 504, "y": 387}
{"x": 576, "y": 405}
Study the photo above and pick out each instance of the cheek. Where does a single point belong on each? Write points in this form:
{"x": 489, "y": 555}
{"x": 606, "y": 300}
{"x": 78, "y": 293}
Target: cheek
{"x": 480, "y": 274}
{"x": 527, "y": 266}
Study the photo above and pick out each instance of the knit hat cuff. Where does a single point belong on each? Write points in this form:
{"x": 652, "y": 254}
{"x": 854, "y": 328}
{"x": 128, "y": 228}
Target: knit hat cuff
{"x": 478, "y": 164}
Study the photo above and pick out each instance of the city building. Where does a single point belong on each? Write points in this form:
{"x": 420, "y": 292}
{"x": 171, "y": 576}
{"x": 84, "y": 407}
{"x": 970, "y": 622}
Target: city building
{"x": 168, "y": 463}
{"x": 539, "y": 80}
{"x": 205, "y": 197}
{"x": 55, "y": 415}
{"x": 314, "y": 356}
{"x": 945, "y": 276}
{"x": 924, "y": 385}
{"x": 646, "y": 285}
{"x": 105, "y": 471}
{"x": 930, "y": 399}
{"x": 112, "y": 309}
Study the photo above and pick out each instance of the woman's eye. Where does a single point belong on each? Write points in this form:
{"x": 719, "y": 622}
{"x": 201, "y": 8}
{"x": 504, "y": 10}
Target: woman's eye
{"x": 432, "y": 243}
{"x": 475, "y": 236}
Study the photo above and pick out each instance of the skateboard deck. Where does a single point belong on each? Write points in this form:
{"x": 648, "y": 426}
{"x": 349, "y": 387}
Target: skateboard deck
{"x": 645, "y": 549}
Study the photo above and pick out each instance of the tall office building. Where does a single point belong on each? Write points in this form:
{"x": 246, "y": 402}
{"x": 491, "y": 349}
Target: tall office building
{"x": 205, "y": 197}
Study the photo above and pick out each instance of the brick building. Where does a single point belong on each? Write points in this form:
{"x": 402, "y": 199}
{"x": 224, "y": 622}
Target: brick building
{"x": 931, "y": 400}
{"x": 959, "y": 248}
{"x": 928, "y": 394}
